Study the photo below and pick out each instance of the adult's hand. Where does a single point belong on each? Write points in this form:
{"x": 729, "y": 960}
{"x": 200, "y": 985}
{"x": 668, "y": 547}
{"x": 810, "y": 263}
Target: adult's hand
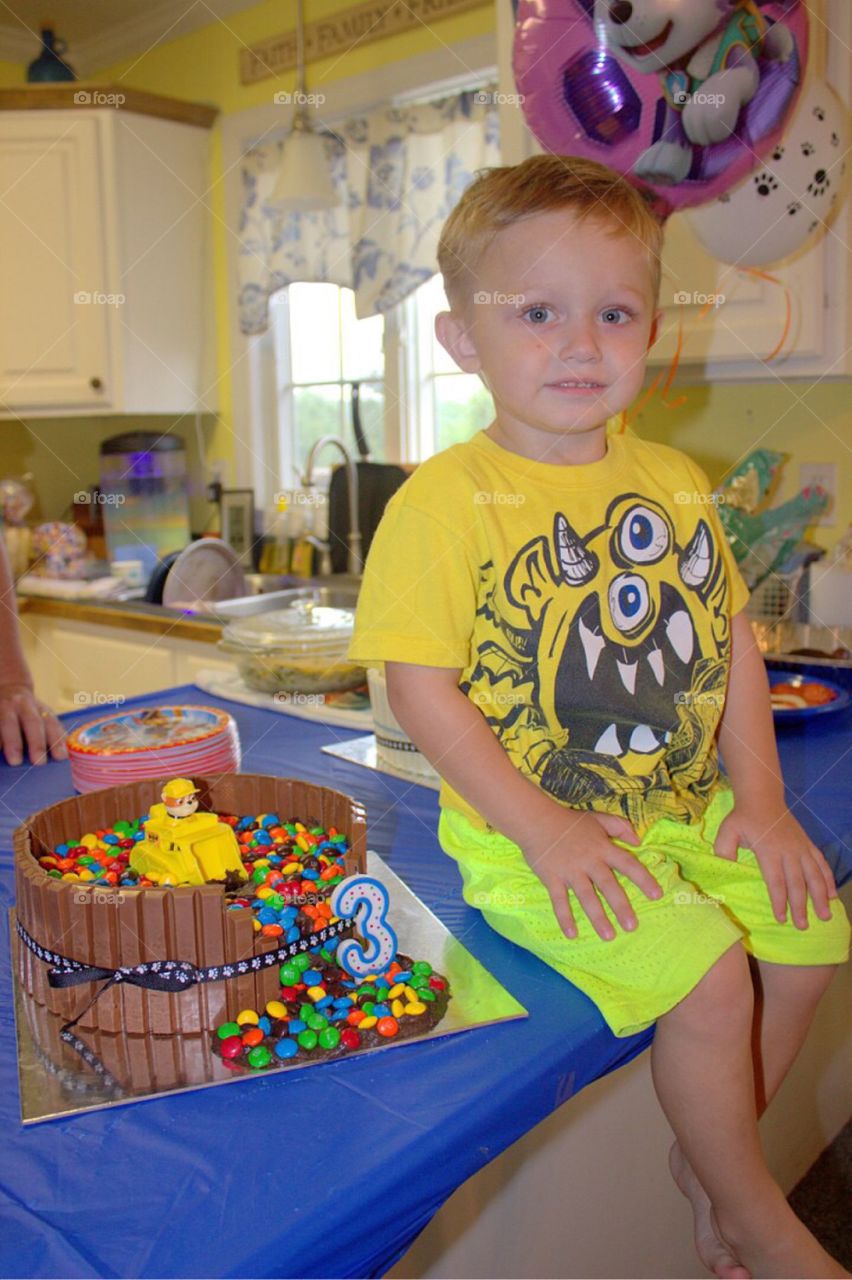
{"x": 27, "y": 723}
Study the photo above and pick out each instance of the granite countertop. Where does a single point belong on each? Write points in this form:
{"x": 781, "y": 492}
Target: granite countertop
{"x": 135, "y": 615}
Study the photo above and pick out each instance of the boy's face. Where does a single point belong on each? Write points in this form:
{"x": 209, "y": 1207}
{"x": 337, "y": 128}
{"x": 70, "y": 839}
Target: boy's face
{"x": 558, "y": 327}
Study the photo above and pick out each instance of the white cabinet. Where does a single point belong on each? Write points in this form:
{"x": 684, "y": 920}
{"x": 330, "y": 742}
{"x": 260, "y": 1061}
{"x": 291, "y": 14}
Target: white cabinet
{"x": 51, "y": 232}
{"x": 85, "y": 665}
{"x": 105, "y": 280}
{"x": 730, "y": 342}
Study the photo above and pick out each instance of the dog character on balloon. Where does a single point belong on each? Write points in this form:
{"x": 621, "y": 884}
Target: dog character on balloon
{"x": 709, "y": 55}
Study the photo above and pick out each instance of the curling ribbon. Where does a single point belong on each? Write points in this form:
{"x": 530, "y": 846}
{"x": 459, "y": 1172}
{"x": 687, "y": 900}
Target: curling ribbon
{"x": 625, "y": 418}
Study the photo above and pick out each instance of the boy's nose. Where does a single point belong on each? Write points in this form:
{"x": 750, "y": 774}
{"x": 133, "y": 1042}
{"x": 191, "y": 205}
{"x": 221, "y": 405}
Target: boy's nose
{"x": 580, "y": 344}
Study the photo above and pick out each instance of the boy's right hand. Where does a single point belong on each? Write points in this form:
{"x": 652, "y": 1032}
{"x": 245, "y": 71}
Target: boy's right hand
{"x": 574, "y": 850}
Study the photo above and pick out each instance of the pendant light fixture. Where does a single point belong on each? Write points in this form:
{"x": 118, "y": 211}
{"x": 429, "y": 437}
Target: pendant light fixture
{"x": 304, "y": 182}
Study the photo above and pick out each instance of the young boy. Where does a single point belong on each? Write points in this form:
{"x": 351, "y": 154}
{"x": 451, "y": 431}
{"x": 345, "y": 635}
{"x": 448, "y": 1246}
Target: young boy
{"x": 561, "y": 624}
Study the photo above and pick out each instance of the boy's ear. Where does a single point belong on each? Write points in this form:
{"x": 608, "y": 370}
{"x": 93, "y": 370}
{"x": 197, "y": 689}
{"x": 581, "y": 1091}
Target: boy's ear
{"x": 453, "y": 333}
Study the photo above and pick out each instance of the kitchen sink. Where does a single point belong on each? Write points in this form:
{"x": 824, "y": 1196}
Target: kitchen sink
{"x": 340, "y": 591}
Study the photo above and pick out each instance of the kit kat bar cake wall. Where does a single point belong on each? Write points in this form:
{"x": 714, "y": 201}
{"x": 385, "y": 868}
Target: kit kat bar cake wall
{"x": 112, "y": 928}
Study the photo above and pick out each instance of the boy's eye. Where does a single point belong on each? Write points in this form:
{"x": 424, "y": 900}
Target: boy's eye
{"x": 612, "y": 314}
{"x": 538, "y": 314}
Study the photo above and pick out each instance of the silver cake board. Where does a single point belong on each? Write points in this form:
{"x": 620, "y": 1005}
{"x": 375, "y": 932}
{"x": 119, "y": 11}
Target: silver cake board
{"x": 65, "y": 1084}
{"x": 364, "y": 751}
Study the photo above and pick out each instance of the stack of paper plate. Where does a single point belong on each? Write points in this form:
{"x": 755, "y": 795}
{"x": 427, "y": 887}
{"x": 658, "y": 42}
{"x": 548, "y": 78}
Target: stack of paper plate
{"x": 153, "y": 742}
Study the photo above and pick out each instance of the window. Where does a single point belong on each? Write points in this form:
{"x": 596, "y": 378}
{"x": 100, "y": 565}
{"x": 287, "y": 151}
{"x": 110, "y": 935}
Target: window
{"x": 320, "y": 350}
{"x": 449, "y": 405}
{"x": 414, "y": 401}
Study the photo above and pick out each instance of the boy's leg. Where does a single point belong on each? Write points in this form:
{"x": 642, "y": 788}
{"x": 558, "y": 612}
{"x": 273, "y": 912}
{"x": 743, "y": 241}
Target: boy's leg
{"x": 791, "y": 972}
{"x": 703, "y": 1073}
{"x": 787, "y": 998}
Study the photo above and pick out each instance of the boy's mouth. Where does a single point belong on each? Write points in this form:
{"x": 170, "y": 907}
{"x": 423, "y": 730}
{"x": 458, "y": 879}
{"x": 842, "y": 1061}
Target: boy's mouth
{"x": 576, "y": 384}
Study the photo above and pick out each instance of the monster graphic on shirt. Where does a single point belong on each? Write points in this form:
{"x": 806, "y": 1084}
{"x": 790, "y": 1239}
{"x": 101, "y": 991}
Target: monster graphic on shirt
{"x": 601, "y": 661}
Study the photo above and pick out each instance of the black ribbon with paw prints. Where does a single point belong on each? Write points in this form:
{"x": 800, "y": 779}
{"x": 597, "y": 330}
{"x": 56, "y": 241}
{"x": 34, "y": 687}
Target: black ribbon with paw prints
{"x": 158, "y": 975}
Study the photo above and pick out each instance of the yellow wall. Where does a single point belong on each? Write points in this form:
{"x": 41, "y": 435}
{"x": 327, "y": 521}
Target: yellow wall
{"x": 63, "y": 456}
{"x": 203, "y": 66}
{"x": 718, "y": 425}
{"x": 12, "y": 74}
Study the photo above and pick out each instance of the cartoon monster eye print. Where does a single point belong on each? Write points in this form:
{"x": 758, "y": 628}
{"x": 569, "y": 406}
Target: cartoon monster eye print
{"x": 766, "y": 183}
{"x": 819, "y": 183}
{"x": 629, "y": 602}
{"x": 643, "y": 536}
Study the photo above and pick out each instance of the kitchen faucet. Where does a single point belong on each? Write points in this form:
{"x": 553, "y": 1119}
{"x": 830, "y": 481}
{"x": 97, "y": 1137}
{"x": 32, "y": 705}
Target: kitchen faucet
{"x": 353, "y": 556}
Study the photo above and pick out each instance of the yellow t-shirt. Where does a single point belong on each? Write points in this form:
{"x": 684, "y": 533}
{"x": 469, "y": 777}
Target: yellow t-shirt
{"x": 587, "y": 608}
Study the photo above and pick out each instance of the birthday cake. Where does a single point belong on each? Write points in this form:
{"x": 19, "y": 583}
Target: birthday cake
{"x": 108, "y": 946}
{"x": 235, "y": 906}
{"x": 393, "y": 745}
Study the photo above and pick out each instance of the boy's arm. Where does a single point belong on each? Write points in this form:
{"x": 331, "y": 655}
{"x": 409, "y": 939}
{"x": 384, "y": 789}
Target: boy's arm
{"x": 792, "y": 865}
{"x": 566, "y": 848}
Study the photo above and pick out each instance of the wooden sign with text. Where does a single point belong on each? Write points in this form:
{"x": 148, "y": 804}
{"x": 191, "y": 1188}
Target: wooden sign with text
{"x": 342, "y": 32}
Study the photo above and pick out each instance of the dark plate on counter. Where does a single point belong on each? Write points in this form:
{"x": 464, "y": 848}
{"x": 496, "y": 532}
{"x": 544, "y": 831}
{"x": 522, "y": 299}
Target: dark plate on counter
{"x": 795, "y": 681}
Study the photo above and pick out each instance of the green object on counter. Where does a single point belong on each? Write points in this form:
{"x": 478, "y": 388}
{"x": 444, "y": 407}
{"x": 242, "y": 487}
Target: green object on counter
{"x": 762, "y": 540}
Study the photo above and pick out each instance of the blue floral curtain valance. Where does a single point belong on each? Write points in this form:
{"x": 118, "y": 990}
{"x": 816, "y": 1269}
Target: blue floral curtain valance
{"x": 398, "y": 172}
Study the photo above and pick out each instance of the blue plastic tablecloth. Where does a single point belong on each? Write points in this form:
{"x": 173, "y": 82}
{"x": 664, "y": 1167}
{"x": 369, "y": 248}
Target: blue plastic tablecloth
{"x": 334, "y": 1170}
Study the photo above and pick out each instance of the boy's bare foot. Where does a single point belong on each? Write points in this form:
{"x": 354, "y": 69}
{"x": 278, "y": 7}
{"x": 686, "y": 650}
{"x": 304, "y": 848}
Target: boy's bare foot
{"x": 710, "y": 1245}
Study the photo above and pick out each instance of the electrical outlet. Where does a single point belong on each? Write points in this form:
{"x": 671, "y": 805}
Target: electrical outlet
{"x": 823, "y": 474}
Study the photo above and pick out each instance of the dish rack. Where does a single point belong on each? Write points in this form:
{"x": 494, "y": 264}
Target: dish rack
{"x": 781, "y": 597}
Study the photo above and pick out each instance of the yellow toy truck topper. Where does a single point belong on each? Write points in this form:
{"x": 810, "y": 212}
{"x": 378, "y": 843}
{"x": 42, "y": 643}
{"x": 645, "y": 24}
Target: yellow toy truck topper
{"x": 182, "y": 846}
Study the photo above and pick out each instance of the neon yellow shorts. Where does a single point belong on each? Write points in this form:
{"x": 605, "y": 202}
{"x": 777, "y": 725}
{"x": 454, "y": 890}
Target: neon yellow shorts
{"x": 708, "y": 904}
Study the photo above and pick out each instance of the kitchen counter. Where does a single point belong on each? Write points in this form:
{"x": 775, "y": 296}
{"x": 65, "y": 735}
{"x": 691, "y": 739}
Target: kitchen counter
{"x": 136, "y": 615}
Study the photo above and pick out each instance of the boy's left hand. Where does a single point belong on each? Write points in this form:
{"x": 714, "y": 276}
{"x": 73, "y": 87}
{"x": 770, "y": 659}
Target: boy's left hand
{"x": 792, "y": 865}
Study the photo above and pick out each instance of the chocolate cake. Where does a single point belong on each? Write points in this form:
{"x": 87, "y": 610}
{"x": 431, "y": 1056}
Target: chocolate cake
{"x": 164, "y": 960}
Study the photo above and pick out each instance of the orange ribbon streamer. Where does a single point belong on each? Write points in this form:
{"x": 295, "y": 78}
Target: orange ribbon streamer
{"x": 625, "y": 418}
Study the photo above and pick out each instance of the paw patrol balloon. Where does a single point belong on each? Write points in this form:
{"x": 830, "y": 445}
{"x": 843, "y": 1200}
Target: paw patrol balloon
{"x": 684, "y": 97}
{"x": 787, "y": 200}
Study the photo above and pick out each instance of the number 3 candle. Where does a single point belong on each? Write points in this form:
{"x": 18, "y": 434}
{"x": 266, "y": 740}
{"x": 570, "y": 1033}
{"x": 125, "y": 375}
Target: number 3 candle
{"x": 367, "y": 900}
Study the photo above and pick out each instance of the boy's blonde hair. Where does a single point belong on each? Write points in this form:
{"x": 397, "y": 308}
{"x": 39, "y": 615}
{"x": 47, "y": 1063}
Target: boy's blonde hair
{"x": 501, "y": 196}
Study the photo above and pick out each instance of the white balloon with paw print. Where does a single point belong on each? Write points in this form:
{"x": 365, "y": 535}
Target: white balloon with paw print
{"x": 787, "y": 200}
